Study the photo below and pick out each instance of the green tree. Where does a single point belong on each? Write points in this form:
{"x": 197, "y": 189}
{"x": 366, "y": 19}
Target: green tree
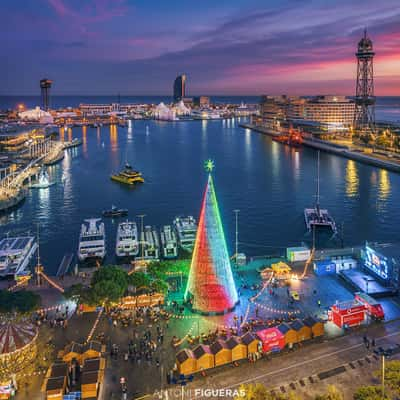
{"x": 332, "y": 394}
{"x": 392, "y": 376}
{"x": 139, "y": 279}
{"x": 22, "y": 301}
{"x": 258, "y": 391}
{"x": 159, "y": 286}
{"x": 369, "y": 393}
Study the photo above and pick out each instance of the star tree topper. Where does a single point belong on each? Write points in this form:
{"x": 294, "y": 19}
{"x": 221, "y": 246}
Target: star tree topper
{"x": 209, "y": 165}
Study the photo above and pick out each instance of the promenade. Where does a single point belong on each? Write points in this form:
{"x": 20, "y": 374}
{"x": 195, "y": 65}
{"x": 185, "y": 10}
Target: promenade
{"x": 353, "y": 154}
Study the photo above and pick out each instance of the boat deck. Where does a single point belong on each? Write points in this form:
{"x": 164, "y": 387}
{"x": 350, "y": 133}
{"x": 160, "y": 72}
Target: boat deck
{"x": 319, "y": 217}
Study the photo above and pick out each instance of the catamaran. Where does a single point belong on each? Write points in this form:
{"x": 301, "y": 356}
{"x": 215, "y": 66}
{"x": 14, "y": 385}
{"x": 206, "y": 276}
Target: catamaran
{"x": 317, "y": 216}
{"x": 92, "y": 240}
{"x": 169, "y": 243}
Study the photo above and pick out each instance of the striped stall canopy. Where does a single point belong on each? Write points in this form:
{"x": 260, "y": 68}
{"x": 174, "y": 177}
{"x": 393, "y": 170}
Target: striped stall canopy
{"x": 15, "y": 336}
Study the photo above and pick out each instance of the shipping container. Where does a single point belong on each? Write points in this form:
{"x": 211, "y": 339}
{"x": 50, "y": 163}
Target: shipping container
{"x": 324, "y": 267}
{"x": 294, "y": 254}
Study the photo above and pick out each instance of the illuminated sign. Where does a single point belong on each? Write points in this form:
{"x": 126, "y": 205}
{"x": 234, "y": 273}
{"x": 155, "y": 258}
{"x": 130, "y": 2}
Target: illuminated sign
{"x": 376, "y": 263}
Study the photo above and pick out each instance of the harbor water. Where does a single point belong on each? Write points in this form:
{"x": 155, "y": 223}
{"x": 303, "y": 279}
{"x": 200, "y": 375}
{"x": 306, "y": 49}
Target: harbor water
{"x": 269, "y": 183}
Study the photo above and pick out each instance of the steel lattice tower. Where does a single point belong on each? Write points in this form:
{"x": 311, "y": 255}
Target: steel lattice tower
{"x": 45, "y": 86}
{"x": 364, "y": 116}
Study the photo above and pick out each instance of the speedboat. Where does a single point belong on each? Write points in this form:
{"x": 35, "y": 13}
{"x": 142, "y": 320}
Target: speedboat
{"x": 127, "y": 244}
{"x": 92, "y": 240}
{"x": 115, "y": 212}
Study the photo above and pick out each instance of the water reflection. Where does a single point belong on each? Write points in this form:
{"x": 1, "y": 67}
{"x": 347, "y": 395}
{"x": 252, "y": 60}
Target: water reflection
{"x": 114, "y": 138}
{"x": 384, "y": 184}
{"x": 84, "y": 140}
{"x": 352, "y": 181}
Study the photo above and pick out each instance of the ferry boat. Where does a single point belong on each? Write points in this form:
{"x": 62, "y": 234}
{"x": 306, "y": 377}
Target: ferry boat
{"x": 16, "y": 254}
{"x": 150, "y": 243}
{"x": 127, "y": 244}
{"x": 128, "y": 176}
{"x": 186, "y": 229}
{"x": 92, "y": 240}
{"x": 292, "y": 138}
{"x": 317, "y": 216}
{"x": 169, "y": 243}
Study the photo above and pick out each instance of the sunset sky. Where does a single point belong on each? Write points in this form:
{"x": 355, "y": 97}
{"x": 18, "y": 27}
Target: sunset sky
{"x": 224, "y": 46}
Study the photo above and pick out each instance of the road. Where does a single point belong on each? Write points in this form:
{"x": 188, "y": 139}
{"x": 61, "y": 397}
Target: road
{"x": 299, "y": 370}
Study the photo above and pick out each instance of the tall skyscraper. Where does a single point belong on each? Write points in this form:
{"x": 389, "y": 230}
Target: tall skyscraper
{"x": 45, "y": 86}
{"x": 364, "y": 115}
{"x": 211, "y": 288}
{"x": 180, "y": 87}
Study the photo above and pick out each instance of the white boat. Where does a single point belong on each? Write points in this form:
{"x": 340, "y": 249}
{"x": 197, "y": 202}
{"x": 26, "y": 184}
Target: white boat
{"x": 169, "y": 243}
{"x": 317, "y": 216}
{"x": 150, "y": 244}
{"x": 15, "y": 255}
{"x": 43, "y": 181}
{"x": 92, "y": 240}
{"x": 186, "y": 229}
{"x": 127, "y": 244}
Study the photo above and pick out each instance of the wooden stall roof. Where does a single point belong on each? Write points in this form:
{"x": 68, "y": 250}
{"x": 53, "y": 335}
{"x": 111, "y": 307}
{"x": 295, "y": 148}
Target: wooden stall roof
{"x": 232, "y": 342}
{"x": 296, "y": 325}
{"x": 57, "y": 383}
{"x": 89, "y": 377}
{"x": 59, "y": 370}
{"x": 93, "y": 364}
{"x": 73, "y": 347}
{"x": 200, "y": 350}
{"x": 284, "y": 328}
{"x": 184, "y": 355}
{"x": 92, "y": 345}
{"x": 311, "y": 321}
{"x": 248, "y": 338}
{"x": 217, "y": 346}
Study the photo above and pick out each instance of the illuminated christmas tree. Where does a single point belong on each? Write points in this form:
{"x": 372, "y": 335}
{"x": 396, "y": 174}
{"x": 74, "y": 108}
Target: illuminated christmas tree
{"x": 211, "y": 288}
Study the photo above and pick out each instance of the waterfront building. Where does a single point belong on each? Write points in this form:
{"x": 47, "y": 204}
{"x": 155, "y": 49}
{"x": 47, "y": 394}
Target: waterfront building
{"x": 180, "y": 87}
{"x": 45, "y": 86}
{"x": 201, "y": 101}
{"x": 165, "y": 113}
{"x": 335, "y": 112}
{"x": 323, "y": 113}
{"x": 181, "y": 109}
{"x": 36, "y": 115}
{"x": 211, "y": 288}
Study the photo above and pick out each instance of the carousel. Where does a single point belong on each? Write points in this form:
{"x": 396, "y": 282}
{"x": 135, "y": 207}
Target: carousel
{"x": 17, "y": 346}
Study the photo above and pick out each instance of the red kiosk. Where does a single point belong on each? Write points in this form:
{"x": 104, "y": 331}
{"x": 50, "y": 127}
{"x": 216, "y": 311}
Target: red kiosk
{"x": 272, "y": 339}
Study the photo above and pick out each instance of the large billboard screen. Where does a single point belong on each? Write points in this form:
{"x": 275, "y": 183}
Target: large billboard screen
{"x": 376, "y": 263}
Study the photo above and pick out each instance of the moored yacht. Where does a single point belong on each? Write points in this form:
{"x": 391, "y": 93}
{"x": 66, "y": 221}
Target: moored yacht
{"x": 127, "y": 244}
{"x": 169, "y": 243}
{"x": 92, "y": 240}
{"x": 16, "y": 254}
{"x": 186, "y": 229}
{"x": 150, "y": 243}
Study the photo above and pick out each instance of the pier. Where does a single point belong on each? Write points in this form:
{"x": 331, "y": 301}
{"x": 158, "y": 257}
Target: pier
{"x": 65, "y": 265}
{"x": 342, "y": 151}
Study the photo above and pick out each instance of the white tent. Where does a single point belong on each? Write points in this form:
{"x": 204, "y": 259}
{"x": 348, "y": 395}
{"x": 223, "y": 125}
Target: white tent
{"x": 36, "y": 114}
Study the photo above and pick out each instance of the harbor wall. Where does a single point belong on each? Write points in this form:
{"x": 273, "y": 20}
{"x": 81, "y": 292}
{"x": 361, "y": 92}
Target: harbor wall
{"x": 341, "y": 151}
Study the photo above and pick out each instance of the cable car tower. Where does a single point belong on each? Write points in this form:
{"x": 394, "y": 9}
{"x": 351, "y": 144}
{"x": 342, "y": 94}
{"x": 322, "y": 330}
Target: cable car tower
{"x": 364, "y": 115}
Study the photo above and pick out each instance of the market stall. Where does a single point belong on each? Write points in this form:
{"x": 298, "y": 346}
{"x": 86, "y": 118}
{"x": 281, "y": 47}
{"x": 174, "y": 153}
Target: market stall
{"x": 186, "y": 362}
{"x": 272, "y": 340}
{"x": 238, "y": 349}
{"x": 222, "y": 353}
{"x": 204, "y": 357}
